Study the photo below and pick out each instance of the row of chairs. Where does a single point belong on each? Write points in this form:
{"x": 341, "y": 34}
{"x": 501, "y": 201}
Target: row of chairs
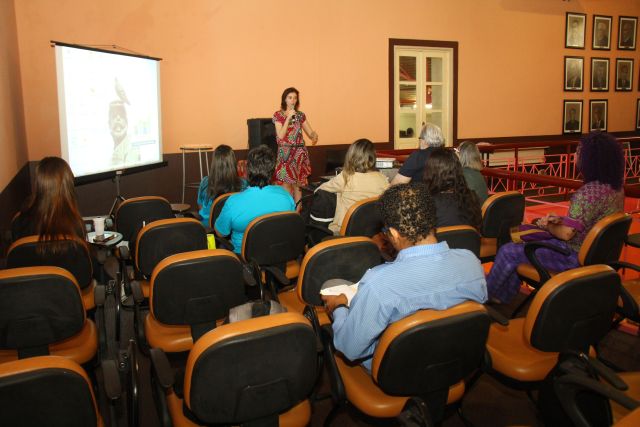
{"x": 334, "y": 258}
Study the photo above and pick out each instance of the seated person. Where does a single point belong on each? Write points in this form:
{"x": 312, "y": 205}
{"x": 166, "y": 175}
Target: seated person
{"x": 223, "y": 178}
{"x": 258, "y": 199}
{"x": 425, "y": 275}
{"x": 52, "y": 210}
{"x": 358, "y": 180}
{"x": 413, "y": 168}
{"x": 471, "y": 162}
{"x": 455, "y": 203}
{"x": 600, "y": 158}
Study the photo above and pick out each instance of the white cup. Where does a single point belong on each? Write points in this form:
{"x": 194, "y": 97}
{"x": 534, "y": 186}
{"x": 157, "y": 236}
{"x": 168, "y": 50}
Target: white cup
{"x": 98, "y": 225}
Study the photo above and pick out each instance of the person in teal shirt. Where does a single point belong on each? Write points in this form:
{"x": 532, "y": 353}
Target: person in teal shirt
{"x": 258, "y": 199}
{"x": 223, "y": 178}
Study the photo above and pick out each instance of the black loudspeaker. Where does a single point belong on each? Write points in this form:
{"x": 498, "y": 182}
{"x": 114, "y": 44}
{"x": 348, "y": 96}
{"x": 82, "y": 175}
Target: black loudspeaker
{"x": 262, "y": 131}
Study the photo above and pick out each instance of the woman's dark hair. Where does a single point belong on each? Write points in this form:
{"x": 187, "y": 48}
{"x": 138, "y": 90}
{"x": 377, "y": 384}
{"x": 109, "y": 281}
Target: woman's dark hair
{"x": 409, "y": 209}
{"x": 601, "y": 158}
{"x": 53, "y": 208}
{"x": 283, "y": 99}
{"x": 223, "y": 177}
{"x": 443, "y": 174}
{"x": 261, "y": 164}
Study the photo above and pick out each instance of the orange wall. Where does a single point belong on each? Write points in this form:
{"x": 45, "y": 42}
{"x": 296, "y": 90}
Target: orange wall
{"x": 13, "y": 146}
{"x": 228, "y": 61}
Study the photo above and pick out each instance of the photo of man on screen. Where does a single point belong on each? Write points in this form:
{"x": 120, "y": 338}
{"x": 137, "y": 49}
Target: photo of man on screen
{"x": 124, "y": 152}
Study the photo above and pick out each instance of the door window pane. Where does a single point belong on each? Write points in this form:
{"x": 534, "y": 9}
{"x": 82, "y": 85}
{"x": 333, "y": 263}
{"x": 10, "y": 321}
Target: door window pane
{"x": 407, "y": 97}
{"x": 407, "y": 70}
{"x": 407, "y": 125}
{"x": 433, "y": 69}
{"x": 433, "y": 97}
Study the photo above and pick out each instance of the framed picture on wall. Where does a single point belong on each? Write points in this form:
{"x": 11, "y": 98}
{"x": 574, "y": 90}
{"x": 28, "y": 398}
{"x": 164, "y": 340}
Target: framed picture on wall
{"x": 624, "y": 74}
{"x": 638, "y": 114}
{"x": 601, "y": 32}
{"x": 573, "y": 73}
{"x": 598, "y": 115}
{"x": 575, "y": 29}
{"x": 572, "y": 117}
{"x": 627, "y": 26}
{"x": 600, "y": 74}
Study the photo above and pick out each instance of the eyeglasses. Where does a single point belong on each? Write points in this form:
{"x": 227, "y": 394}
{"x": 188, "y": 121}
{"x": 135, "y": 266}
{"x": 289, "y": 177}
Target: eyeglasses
{"x": 385, "y": 229}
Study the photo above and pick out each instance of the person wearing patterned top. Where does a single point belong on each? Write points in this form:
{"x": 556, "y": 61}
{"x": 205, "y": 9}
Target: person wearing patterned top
{"x": 601, "y": 161}
{"x": 292, "y": 165}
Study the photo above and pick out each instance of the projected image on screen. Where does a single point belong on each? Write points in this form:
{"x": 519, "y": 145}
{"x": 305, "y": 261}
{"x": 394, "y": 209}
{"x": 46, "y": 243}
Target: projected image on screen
{"x": 109, "y": 110}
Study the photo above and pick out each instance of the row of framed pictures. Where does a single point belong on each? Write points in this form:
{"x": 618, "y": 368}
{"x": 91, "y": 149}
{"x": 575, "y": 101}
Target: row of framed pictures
{"x": 572, "y": 117}
{"x": 598, "y": 117}
{"x": 576, "y": 26}
{"x": 599, "y": 81}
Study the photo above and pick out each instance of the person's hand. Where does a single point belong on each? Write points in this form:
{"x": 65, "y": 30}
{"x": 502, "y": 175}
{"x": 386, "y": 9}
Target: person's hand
{"x": 314, "y": 138}
{"x": 333, "y": 301}
{"x": 291, "y": 112}
{"x": 550, "y": 218}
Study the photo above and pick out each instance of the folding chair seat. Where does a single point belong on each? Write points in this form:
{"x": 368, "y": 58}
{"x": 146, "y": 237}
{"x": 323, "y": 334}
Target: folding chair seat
{"x": 258, "y": 370}
{"x": 47, "y": 391}
{"x": 500, "y": 212}
{"x": 427, "y": 355}
{"x": 346, "y": 258}
{"x": 460, "y": 237}
{"x": 74, "y": 257}
{"x": 571, "y": 312}
{"x": 602, "y": 245}
{"x": 41, "y": 313}
{"x": 274, "y": 243}
{"x": 164, "y": 238}
{"x": 190, "y": 293}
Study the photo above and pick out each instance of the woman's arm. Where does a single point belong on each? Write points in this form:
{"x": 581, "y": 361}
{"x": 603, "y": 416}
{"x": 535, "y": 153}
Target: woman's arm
{"x": 400, "y": 179}
{"x": 334, "y": 185}
{"x": 281, "y": 128}
{"x": 310, "y": 132}
{"x": 552, "y": 223}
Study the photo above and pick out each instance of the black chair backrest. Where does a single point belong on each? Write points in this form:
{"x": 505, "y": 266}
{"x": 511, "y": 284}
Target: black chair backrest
{"x": 166, "y": 237}
{"x": 500, "y": 212}
{"x": 46, "y": 391}
{"x": 345, "y": 258}
{"x": 75, "y": 258}
{"x": 267, "y": 365}
{"x": 216, "y": 208}
{"x": 196, "y": 288}
{"x": 38, "y": 306}
{"x": 431, "y": 350}
{"x": 603, "y": 243}
{"x": 460, "y": 237}
{"x": 274, "y": 239}
{"x": 573, "y": 310}
{"x": 362, "y": 219}
{"x": 132, "y": 213}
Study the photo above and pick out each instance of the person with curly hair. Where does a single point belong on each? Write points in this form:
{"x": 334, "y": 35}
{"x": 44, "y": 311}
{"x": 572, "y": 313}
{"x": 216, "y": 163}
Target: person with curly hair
{"x": 425, "y": 275}
{"x": 601, "y": 160}
{"x": 455, "y": 203}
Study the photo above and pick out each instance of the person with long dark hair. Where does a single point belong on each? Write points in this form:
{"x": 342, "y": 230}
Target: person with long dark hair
{"x": 223, "y": 178}
{"x": 358, "y": 180}
{"x": 455, "y": 203}
{"x": 292, "y": 166}
{"x": 260, "y": 198}
{"x": 601, "y": 160}
{"x": 52, "y": 210}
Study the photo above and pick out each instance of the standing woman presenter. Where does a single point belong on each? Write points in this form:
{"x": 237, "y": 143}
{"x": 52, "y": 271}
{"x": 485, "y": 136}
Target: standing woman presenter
{"x": 292, "y": 164}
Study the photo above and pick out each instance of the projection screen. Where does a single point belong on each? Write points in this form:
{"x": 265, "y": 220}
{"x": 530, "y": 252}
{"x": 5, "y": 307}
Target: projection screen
{"x": 109, "y": 106}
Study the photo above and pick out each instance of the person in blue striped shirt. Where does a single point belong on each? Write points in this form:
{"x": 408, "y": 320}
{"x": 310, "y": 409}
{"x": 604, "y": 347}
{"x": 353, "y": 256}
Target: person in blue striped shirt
{"x": 425, "y": 275}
